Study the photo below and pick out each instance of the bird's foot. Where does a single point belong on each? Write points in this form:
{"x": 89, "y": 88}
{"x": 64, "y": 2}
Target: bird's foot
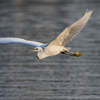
{"x": 77, "y": 54}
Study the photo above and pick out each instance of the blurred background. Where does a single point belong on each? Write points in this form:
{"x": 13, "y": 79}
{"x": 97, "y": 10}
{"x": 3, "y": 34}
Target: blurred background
{"x": 55, "y": 78}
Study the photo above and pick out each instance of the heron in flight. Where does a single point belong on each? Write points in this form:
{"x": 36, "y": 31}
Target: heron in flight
{"x": 56, "y": 46}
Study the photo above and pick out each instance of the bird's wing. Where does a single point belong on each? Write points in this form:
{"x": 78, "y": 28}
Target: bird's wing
{"x": 72, "y": 30}
{"x": 11, "y": 40}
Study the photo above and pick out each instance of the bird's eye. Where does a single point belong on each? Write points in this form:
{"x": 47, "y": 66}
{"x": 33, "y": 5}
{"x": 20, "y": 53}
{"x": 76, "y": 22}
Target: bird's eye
{"x": 36, "y": 48}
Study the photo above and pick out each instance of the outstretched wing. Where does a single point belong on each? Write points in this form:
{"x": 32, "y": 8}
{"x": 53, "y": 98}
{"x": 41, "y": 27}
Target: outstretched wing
{"x": 11, "y": 40}
{"x": 71, "y": 31}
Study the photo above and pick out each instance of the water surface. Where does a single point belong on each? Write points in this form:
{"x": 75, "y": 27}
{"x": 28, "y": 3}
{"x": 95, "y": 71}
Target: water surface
{"x": 54, "y": 78}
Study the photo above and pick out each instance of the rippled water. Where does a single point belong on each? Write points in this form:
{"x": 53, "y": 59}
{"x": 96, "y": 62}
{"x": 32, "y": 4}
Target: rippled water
{"x": 54, "y": 78}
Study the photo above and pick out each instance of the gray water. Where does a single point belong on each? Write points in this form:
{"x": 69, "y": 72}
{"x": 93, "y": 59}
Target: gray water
{"x": 60, "y": 77}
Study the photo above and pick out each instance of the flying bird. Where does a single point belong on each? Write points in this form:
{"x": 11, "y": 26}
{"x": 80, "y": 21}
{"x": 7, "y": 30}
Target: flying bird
{"x": 56, "y": 46}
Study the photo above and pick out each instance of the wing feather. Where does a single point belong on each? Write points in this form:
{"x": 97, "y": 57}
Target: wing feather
{"x": 70, "y": 32}
{"x": 11, "y": 40}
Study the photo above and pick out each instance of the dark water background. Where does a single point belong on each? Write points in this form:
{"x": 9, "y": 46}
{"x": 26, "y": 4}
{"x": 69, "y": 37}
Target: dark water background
{"x": 54, "y": 78}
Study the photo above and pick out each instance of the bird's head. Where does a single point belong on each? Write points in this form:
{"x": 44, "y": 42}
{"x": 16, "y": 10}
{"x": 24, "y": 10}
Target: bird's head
{"x": 38, "y": 49}
{"x": 40, "y": 52}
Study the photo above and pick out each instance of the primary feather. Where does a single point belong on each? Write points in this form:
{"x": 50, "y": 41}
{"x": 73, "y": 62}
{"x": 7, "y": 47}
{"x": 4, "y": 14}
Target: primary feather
{"x": 69, "y": 33}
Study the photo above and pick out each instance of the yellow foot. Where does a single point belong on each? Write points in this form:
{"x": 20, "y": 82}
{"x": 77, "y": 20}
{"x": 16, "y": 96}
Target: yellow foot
{"x": 77, "y": 54}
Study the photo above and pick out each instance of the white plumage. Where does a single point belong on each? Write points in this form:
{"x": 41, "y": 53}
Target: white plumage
{"x": 56, "y": 46}
{"x": 11, "y": 40}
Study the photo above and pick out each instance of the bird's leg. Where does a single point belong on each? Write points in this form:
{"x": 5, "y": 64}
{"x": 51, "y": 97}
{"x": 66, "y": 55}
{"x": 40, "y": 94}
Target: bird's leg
{"x": 76, "y": 54}
{"x": 36, "y": 60}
